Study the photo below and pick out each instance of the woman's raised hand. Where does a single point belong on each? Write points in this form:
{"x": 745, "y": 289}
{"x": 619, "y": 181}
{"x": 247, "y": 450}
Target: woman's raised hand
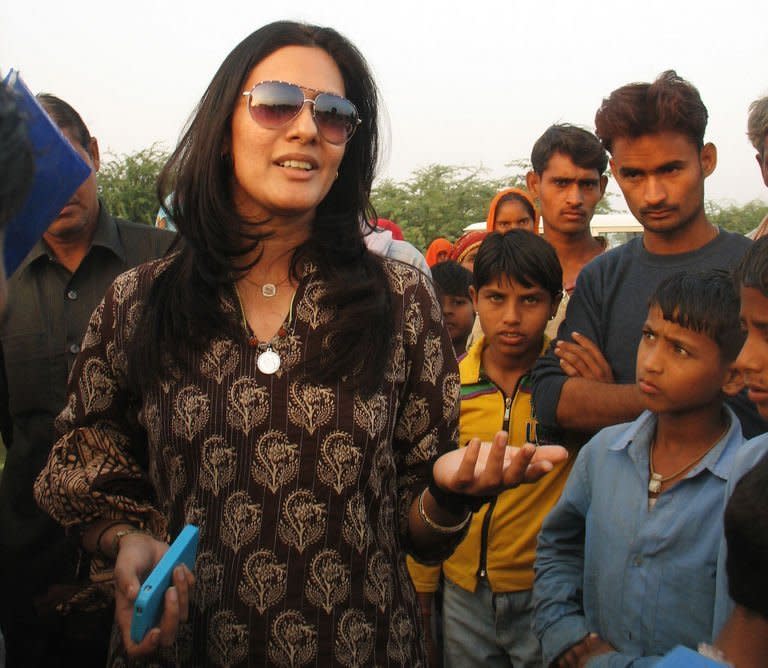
{"x": 485, "y": 469}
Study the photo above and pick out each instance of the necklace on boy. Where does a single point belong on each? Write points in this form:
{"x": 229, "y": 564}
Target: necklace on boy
{"x": 268, "y": 360}
{"x": 656, "y": 479}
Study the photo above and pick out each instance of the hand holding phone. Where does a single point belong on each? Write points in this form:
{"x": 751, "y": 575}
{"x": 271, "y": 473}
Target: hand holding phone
{"x": 148, "y": 606}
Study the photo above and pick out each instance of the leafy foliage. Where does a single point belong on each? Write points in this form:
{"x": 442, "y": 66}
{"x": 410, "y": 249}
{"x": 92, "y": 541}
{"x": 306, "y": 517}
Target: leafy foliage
{"x": 438, "y": 201}
{"x": 127, "y": 184}
{"x": 731, "y": 216}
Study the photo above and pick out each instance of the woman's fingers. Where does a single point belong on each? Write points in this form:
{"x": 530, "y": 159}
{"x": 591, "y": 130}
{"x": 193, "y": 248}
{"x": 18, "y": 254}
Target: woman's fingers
{"x": 169, "y": 620}
{"x": 465, "y": 475}
{"x": 183, "y": 591}
{"x": 514, "y": 474}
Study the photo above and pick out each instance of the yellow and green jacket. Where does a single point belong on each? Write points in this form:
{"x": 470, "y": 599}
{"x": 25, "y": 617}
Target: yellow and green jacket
{"x": 501, "y": 542}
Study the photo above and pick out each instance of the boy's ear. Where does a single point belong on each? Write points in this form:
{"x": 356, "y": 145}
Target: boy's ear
{"x": 556, "y": 305}
{"x": 532, "y": 181}
{"x": 473, "y": 297}
{"x": 734, "y": 381}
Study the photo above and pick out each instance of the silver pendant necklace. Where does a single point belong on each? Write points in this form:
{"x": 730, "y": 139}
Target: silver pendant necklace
{"x": 268, "y": 360}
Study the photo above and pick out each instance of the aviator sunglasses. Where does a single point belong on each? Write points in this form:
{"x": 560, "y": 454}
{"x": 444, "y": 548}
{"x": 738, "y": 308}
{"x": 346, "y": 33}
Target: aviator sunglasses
{"x": 273, "y": 104}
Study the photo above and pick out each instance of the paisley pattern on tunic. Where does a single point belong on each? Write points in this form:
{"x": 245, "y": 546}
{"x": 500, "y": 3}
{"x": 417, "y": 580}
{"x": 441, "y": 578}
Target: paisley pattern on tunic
{"x": 301, "y": 491}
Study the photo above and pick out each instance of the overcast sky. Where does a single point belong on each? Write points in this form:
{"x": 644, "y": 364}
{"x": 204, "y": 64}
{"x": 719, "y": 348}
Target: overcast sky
{"x": 467, "y": 83}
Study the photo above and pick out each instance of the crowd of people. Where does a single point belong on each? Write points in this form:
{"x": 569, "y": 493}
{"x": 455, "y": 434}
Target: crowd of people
{"x": 523, "y": 449}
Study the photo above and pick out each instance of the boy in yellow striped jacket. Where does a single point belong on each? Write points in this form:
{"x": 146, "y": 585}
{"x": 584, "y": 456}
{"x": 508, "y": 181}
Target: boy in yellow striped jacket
{"x": 488, "y": 580}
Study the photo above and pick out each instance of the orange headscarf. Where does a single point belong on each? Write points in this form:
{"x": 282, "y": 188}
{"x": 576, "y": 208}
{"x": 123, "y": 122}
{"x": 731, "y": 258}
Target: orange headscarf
{"x": 439, "y": 245}
{"x": 491, "y": 220}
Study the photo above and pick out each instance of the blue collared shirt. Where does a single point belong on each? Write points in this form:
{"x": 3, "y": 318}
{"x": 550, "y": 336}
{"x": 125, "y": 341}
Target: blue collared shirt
{"x": 643, "y": 580}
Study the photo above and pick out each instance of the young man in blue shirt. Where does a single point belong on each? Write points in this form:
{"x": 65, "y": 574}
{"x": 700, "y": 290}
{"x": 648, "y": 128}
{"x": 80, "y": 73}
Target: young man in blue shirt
{"x": 625, "y": 566}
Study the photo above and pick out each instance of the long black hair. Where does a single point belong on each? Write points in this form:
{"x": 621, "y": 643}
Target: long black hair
{"x": 183, "y": 311}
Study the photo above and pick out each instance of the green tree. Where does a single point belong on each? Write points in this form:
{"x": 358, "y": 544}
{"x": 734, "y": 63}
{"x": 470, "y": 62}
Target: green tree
{"x": 438, "y": 201}
{"x": 127, "y": 184}
{"x": 731, "y": 216}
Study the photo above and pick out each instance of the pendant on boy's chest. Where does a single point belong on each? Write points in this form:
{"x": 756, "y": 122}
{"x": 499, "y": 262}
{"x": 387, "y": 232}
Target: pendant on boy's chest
{"x": 654, "y": 484}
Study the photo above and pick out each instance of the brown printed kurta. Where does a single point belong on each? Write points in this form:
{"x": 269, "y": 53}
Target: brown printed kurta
{"x": 301, "y": 491}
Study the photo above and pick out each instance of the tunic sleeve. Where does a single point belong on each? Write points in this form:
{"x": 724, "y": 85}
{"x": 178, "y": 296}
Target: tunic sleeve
{"x": 96, "y": 470}
{"x": 427, "y": 420}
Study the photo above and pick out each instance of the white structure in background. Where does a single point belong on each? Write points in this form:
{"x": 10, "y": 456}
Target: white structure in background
{"x": 616, "y": 227}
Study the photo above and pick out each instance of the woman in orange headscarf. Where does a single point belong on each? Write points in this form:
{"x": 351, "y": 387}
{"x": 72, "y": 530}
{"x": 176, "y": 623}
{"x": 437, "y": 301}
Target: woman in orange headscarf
{"x": 512, "y": 208}
{"x": 439, "y": 251}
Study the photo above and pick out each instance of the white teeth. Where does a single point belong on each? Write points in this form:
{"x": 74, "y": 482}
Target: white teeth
{"x": 296, "y": 164}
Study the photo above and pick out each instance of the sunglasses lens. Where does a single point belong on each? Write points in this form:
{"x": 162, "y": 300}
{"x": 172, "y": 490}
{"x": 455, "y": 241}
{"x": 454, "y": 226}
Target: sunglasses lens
{"x": 273, "y": 104}
{"x": 336, "y": 117}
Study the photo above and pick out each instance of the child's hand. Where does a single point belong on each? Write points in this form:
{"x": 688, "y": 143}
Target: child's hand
{"x": 485, "y": 469}
{"x": 578, "y": 655}
{"x": 581, "y": 358}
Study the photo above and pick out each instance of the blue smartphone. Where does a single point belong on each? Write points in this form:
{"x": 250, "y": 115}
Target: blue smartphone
{"x": 149, "y": 603}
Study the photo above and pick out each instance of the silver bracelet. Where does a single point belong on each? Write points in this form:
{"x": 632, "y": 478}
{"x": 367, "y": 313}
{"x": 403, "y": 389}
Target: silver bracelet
{"x": 439, "y": 528}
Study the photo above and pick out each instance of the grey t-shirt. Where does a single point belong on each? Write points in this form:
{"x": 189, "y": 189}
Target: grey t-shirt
{"x": 610, "y": 305}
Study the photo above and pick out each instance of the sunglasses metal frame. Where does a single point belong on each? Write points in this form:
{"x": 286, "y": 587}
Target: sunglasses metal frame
{"x": 358, "y": 120}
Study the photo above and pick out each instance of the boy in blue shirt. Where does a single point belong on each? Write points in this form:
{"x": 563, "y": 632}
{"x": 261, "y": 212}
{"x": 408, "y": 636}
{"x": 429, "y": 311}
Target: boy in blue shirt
{"x": 625, "y": 565}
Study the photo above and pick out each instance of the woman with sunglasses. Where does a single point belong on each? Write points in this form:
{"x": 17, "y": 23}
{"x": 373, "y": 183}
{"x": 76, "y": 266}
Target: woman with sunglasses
{"x": 275, "y": 384}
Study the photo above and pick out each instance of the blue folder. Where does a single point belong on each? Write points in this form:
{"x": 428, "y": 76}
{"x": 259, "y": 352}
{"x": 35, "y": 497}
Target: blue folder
{"x": 59, "y": 171}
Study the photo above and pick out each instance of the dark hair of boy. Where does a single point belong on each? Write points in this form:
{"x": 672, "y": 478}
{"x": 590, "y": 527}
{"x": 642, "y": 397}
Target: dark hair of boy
{"x": 746, "y": 534}
{"x": 669, "y": 104}
{"x": 705, "y": 302}
{"x": 521, "y": 256}
{"x": 753, "y": 270}
{"x": 581, "y": 146}
{"x": 452, "y": 279}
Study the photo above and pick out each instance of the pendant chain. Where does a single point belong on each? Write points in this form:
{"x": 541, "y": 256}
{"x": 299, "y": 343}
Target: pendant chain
{"x": 656, "y": 479}
{"x": 268, "y": 360}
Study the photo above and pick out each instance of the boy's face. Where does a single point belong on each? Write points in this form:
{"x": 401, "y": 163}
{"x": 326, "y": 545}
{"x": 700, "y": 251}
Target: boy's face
{"x": 513, "y": 317}
{"x": 678, "y": 369}
{"x": 752, "y": 361}
{"x": 459, "y": 316}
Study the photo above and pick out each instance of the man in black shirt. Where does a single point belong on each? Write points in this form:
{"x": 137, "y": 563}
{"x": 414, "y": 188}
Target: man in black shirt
{"x": 51, "y": 297}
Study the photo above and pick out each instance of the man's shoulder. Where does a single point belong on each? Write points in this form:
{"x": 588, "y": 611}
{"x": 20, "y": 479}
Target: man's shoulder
{"x": 142, "y": 229}
{"x": 609, "y": 261}
{"x": 614, "y": 438}
{"x": 733, "y": 240}
{"x": 148, "y": 240}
